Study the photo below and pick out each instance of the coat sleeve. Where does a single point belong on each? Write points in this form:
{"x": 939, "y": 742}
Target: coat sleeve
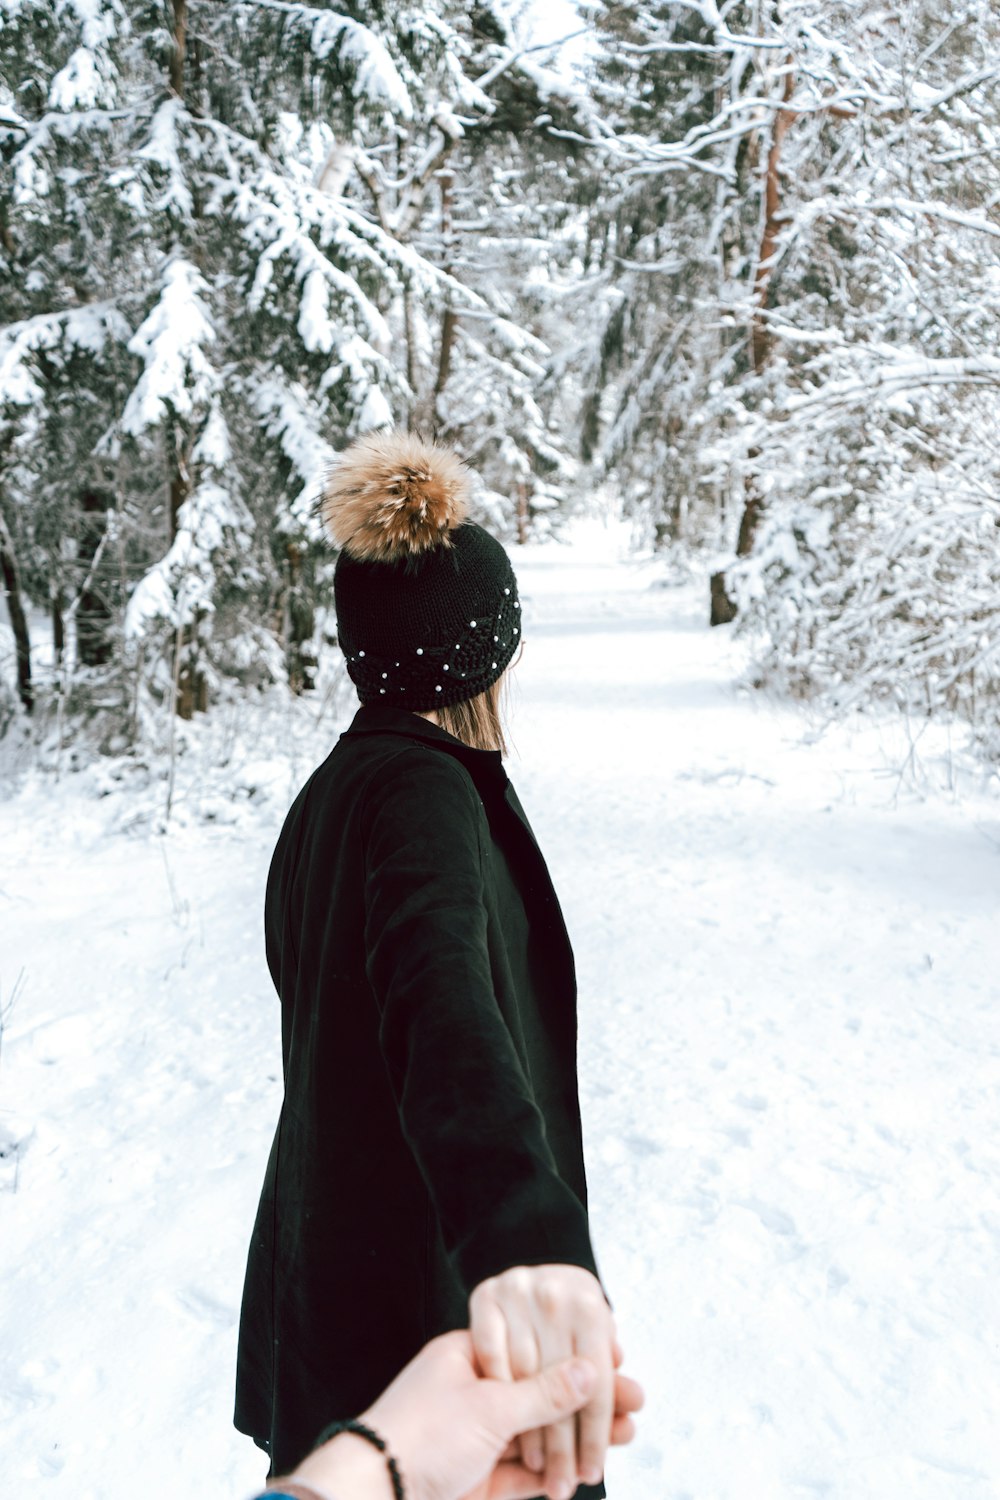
{"x": 465, "y": 1104}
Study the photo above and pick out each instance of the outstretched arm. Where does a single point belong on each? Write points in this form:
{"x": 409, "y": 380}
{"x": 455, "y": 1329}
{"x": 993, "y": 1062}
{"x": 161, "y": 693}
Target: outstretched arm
{"x": 516, "y": 1232}
{"x": 465, "y": 1105}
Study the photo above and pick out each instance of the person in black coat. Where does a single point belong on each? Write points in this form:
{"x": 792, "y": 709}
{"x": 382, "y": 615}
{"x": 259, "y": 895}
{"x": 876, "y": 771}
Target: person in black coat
{"x": 427, "y": 1169}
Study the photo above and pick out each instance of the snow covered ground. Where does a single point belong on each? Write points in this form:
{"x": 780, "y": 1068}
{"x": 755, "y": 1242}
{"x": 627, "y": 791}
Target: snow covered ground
{"x": 789, "y": 960}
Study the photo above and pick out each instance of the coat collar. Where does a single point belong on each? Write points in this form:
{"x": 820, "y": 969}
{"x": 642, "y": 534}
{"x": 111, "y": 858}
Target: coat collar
{"x": 485, "y": 766}
{"x": 378, "y": 718}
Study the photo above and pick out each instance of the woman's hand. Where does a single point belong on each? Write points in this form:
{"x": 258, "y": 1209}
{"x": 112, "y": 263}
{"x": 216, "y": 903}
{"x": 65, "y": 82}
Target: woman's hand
{"x": 452, "y": 1432}
{"x": 533, "y": 1316}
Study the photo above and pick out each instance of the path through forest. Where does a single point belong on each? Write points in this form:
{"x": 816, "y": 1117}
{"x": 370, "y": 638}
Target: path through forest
{"x": 790, "y": 1065}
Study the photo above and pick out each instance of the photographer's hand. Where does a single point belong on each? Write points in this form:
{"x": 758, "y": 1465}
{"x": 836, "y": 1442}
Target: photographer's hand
{"x": 453, "y": 1432}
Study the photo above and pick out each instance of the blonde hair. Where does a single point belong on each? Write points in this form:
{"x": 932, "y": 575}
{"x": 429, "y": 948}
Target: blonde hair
{"x": 478, "y": 722}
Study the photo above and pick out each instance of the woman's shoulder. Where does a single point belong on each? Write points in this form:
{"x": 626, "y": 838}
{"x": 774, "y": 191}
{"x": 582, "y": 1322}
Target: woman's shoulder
{"x": 362, "y": 768}
{"x": 423, "y": 799}
{"x": 414, "y": 769}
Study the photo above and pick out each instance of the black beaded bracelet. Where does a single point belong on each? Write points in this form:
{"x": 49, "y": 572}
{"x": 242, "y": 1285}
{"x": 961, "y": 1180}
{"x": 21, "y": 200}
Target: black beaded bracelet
{"x": 372, "y": 1437}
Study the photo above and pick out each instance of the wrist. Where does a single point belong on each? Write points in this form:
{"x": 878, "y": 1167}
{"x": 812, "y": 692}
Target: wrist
{"x": 290, "y": 1489}
{"x": 347, "y": 1465}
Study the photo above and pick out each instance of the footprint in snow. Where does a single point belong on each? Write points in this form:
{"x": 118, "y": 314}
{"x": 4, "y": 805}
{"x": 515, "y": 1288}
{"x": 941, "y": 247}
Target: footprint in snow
{"x": 29, "y": 1389}
{"x": 836, "y": 1279}
{"x": 50, "y": 1463}
{"x": 642, "y": 1146}
{"x": 206, "y": 1308}
{"x": 771, "y": 1217}
{"x": 756, "y": 1102}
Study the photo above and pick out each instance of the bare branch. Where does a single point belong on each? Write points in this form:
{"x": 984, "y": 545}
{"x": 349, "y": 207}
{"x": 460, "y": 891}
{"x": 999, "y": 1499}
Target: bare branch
{"x": 931, "y": 211}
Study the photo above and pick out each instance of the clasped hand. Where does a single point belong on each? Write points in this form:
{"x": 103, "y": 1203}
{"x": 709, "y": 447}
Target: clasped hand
{"x": 529, "y": 1318}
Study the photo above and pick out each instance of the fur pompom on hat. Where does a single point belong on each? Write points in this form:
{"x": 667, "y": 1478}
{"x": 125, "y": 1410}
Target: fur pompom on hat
{"x": 392, "y": 495}
{"x": 426, "y": 600}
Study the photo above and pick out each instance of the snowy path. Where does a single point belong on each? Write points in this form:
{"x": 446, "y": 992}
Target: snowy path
{"x": 790, "y": 1057}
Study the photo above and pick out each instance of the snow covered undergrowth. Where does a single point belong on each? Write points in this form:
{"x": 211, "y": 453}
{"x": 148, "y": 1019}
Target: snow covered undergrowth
{"x": 790, "y": 1061}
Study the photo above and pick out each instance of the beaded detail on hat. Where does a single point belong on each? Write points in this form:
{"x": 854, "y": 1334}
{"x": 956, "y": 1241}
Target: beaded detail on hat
{"x": 430, "y": 631}
{"x": 483, "y": 655}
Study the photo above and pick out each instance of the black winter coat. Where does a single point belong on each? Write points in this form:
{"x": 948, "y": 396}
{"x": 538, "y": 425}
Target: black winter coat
{"x": 430, "y": 1130}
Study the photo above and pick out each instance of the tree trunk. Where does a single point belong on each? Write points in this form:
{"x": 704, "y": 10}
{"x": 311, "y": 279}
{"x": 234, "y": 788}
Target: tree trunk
{"x": 6, "y": 238}
{"x": 723, "y": 607}
{"x": 299, "y": 626}
{"x": 58, "y": 625}
{"x": 448, "y": 323}
{"x": 191, "y": 695}
{"x": 774, "y": 219}
{"x": 192, "y": 684}
{"x": 93, "y": 614}
{"x": 177, "y": 52}
{"x": 18, "y": 619}
{"x": 450, "y": 320}
{"x": 523, "y": 514}
{"x": 179, "y": 491}
{"x": 409, "y": 324}
{"x": 672, "y": 501}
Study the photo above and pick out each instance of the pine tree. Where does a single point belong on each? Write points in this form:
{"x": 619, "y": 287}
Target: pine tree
{"x": 221, "y": 243}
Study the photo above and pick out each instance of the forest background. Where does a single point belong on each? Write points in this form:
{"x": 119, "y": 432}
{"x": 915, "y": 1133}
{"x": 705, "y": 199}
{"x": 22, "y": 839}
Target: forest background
{"x": 736, "y": 266}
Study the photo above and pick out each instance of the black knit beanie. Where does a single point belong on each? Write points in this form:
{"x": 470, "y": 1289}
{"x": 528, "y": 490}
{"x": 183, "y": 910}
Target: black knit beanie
{"x": 426, "y": 600}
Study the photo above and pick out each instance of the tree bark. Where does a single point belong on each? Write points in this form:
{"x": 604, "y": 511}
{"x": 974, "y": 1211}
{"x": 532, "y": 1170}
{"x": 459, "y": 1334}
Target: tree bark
{"x": 58, "y": 625}
{"x": 18, "y": 619}
{"x": 450, "y": 320}
{"x": 179, "y": 48}
{"x": 6, "y": 238}
{"x": 93, "y": 614}
{"x": 300, "y": 626}
{"x": 191, "y": 691}
{"x": 523, "y": 514}
{"x": 774, "y": 219}
{"x": 722, "y": 606}
{"x": 411, "y": 340}
{"x": 178, "y": 494}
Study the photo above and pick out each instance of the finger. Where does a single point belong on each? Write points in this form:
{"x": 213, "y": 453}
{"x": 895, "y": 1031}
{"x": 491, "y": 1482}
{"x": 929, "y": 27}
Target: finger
{"x": 525, "y": 1361}
{"x": 522, "y": 1345}
{"x": 554, "y": 1393}
{"x": 628, "y": 1395}
{"x": 513, "y": 1482}
{"x": 531, "y": 1446}
{"x": 559, "y": 1389}
{"x": 617, "y": 1353}
{"x": 555, "y": 1343}
{"x": 622, "y": 1431}
{"x": 560, "y": 1459}
{"x": 594, "y": 1421}
{"x": 488, "y": 1329}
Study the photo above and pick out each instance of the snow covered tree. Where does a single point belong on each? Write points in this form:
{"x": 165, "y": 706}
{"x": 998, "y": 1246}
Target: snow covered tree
{"x": 492, "y": 207}
{"x": 510, "y": 227}
{"x": 800, "y": 278}
{"x": 674, "y": 236}
{"x": 242, "y": 218}
{"x": 875, "y": 569}
{"x": 59, "y": 334}
{"x": 149, "y": 198}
